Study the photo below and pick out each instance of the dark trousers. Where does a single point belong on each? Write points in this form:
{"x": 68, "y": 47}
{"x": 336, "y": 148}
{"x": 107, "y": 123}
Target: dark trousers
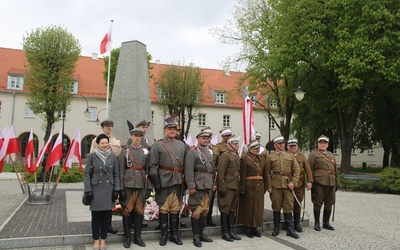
{"x": 100, "y": 223}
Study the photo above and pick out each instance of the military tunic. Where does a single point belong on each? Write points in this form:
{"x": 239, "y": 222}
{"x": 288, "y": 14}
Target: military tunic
{"x": 133, "y": 165}
{"x": 199, "y": 175}
{"x": 115, "y": 145}
{"x": 282, "y": 168}
{"x": 222, "y": 148}
{"x": 323, "y": 167}
{"x": 305, "y": 176}
{"x": 253, "y": 185}
{"x": 228, "y": 177}
{"x": 166, "y": 172}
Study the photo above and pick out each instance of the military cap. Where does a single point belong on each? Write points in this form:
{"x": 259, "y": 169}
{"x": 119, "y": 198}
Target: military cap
{"x": 203, "y": 134}
{"x": 136, "y": 131}
{"x": 323, "y": 138}
{"x": 225, "y": 132}
{"x": 208, "y": 130}
{"x": 106, "y": 122}
{"x": 171, "y": 125}
{"x": 279, "y": 139}
{"x": 254, "y": 144}
{"x": 142, "y": 122}
{"x": 258, "y": 135}
{"x": 233, "y": 140}
{"x": 292, "y": 142}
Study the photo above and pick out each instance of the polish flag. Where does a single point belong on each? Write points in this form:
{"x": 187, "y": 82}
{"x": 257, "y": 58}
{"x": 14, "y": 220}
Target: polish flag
{"x": 2, "y": 139}
{"x": 30, "y": 150}
{"x": 56, "y": 153}
{"x": 248, "y": 123}
{"x": 13, "y": 145}
{"x": 43, "y": 152}
{"x": 74, "y": 150}
{"x": 105, "y": 42}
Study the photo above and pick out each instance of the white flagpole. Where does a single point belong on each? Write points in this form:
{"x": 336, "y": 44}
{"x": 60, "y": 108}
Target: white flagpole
{"x": 109, "y": 66}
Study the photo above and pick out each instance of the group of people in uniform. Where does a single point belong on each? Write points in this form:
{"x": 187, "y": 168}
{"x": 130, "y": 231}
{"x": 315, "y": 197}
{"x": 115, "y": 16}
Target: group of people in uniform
{"x": 171, "y": 168}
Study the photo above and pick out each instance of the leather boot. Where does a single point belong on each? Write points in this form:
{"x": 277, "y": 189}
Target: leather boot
{"x": 196, "y": 231}
{"x": 137, "y": 236}
{"x": 296, "y": 219}
{"x": 224, "y": 227}
{"x": 126, "y": 223}
{"x": 289, "y": 224}
{"x": 203, "y": 237}
{"x": 317, "y": 226}
{"x": 277, "y": 223}
{"x": 249, "y": 232}
{"x": 256, "y": 233}
{"x": 163, "y": 219}
{"x": 209, "y": 220}
{"x": 325, "y": 220}
{"x": 174, "y": 225}
{"x": 231, "y": 226}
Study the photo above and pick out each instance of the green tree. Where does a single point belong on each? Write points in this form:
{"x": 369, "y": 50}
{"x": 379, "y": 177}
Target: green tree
{"x": 51, "y": 53}
{"x": 180, "y": 89}
{"x": 113, "y": 68}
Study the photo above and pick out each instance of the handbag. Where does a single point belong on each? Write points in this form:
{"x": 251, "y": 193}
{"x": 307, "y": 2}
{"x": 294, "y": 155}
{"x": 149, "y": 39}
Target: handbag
{"x": 85, "y": 200}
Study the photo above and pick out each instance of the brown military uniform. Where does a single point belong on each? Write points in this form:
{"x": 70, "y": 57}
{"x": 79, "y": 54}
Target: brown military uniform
{"x": 222, "y": 148}
{"x": 253, "y": 185}
{"x": 228, "y": 177}
{"x": 305, "y": 176}
{"x": 281, "y": 169}
{"x": 323, "y": 167}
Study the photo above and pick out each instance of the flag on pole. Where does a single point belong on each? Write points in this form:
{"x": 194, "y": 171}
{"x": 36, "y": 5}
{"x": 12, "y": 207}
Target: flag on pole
{"x": 43, "y": 152}
{"x": 74, "y": 150}
{"x": 248, "y": 123}
{"x": 104, "y": 45}
{"x": 56, "y": 153}
{"x": 30, "y": 150}
{"x": 1, "y": 146}
{"x": 13, "y": 145}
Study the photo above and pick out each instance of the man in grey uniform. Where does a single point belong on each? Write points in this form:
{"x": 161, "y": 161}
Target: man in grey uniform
{"x": 167, "y": 157}
{"x": 199, "y": 176}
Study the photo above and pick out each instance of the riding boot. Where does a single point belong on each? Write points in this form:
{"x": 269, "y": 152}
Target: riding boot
{"x": 249, "y": 232}
{"x": 209, "y": 220}
{"x": 203, "y": 237}
{"x": 126, "y": 223}
{"x": 163, "y": 219}
{"x": 256, "y": 233}
{"x": 317, "y": 226}
{"x": 296, "y": 219}
{"x": 224, "y": 227}
{"x": 277, "y": 223}
{"x": 196, "y": 232}
{"x": 325, "y": 220}
{"x": 137, "y": 236}
{"x": 174, "y": 225}
{"x": 232, "y": 226}
{"x": 289, "y": 225}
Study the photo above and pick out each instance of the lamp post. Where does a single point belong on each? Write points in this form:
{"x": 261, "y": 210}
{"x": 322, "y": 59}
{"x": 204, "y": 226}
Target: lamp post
{"x": 97, "y": 115}
{"x": 86, "y": 112}
{"x": 299, "y": 94}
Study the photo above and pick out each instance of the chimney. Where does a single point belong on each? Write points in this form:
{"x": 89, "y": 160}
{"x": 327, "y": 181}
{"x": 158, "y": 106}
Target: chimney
{"x": 94, "y": 56}
{"x": 226, "y": 70}
{"x": 157, "y": 61}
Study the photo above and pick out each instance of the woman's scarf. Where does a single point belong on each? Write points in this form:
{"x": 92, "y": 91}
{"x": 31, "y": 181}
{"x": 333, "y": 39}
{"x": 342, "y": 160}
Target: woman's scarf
{"x": 102, "y": 154}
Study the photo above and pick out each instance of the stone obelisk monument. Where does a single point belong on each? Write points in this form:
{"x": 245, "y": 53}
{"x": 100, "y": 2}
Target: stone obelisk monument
{"x": 131, "y": 93}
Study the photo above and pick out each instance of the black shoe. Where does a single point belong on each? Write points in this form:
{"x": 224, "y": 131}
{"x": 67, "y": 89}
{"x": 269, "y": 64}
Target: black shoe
{"x": 277, "y": 223}
{"x": 317, "y": 226}
{"x": 203, "y": 237}
{"x": 163, "y": 224}
{"x": 227, "y": 237}
{"x": 111, "y": 230}
{"x": 173, "y": 225}
{"x": 328, "y": 226}
{"x": 296, "y": 220}
{"x": 256, "y": 232}
{"x": 249, "y": 232}
{"x": 325, "y": 224}
{"x": 139, "y": 241}
{"x": 289, "y": 224}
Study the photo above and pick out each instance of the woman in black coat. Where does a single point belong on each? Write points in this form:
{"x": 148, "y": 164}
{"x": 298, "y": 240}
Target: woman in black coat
{"x": 101, "y": 181}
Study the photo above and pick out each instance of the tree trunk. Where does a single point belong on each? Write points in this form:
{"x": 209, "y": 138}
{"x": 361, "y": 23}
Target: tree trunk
{"x": 395, "y": 161}
{"x": 386, "y": 154}
{"x": 345, "y": 164}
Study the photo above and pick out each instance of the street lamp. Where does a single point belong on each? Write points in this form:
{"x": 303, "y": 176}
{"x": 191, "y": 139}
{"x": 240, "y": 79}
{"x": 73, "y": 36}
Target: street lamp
{"x": 299, "y": 94}
{"x": 97, "y": 115}
{"x": 86, "y": 112}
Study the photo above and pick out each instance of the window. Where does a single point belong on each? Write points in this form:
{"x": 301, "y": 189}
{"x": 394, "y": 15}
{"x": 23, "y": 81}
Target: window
{"x": 271, "y": 124}
{"x": 335, "y": 150}
{"x": 202, "y": 119}
{"x": 353, "y": 151}
{"x": 273, "y": 103}
{"x": 74, "y": 87}
{"x": 161, "y": 94}
{"x": 220, "y": 98}
{"x": 92, "y": 114}
{"x": 254, "y": 99}
{"x": 15, "y": 82}
{"x": 28, "y": 111}
{"x": 370, "y": 151}
{"x": 226, "y": 121}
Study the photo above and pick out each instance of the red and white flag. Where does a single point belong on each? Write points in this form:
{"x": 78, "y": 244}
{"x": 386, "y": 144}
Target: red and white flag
{"x": 43, "y": 151}
{"x": 56, "y": 153}
{"x": 30, "y": 150}
{"x": 248, "y": 123}
{"x": 2, "y": 139}
{"x": 74, "y": 150}
{"x": 10, "y": 145}
{"x": 105, "y": 43}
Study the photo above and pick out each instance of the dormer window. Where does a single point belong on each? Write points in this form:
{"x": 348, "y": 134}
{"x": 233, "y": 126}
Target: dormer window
{"x": 74, "y": 87}
{"x": 220, "y": 98}
{"x": 15, "y": 82}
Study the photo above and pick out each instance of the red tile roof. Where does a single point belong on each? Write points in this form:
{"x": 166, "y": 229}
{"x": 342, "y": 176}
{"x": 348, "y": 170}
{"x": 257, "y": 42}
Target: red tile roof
{"x": 89, "y": 74}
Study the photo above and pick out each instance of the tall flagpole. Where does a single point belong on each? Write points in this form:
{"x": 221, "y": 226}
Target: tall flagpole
{"x": 109, "y": 67}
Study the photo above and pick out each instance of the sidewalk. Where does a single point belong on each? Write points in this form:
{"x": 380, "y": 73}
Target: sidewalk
{"x": 362, "y": 221}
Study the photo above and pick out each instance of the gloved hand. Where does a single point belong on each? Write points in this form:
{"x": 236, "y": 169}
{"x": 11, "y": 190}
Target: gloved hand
{"x": 148, "y": 192}
{"x": 114, "y": 196}
{"x": 222, "y": 193}
{"x": 122, "y": 195}
{"x": 89, "y": 195}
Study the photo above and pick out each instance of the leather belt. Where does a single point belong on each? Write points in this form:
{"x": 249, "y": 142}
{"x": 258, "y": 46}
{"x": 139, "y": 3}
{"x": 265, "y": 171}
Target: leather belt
{"x": 136, "y": 167}
{"x": 207, "y": 171}
{"x": 281, "y": 174}
{"x": 256, "y": 177}
{"x": 235, "y": 174}
{"x": 171, "y": 169}
{"x": 325, "y": 171}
